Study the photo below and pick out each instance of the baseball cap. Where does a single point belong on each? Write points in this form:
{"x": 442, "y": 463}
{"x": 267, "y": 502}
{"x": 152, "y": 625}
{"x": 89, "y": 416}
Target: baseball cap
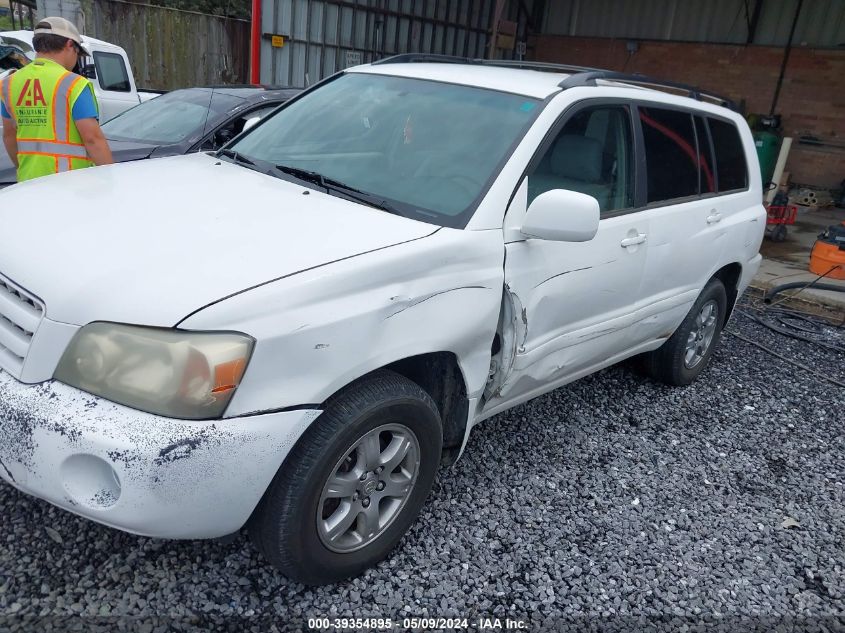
{"x": 62, "y": 28}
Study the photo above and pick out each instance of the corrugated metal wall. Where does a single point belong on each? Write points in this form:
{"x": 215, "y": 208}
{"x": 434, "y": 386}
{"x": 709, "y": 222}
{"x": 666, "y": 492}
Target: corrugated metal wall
{"x": 821, "y": 24}
{"x": 324, "y": 36}
{"x": 167, "y": 48}
{"x": 173, "y": 49}
{"x": 67, "y": 9}
{"x": 320, "y": 36}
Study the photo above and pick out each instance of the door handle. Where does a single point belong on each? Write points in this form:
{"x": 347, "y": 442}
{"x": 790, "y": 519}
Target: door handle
{"x": 633, "y": 241}
{"x": 714, "y": 217}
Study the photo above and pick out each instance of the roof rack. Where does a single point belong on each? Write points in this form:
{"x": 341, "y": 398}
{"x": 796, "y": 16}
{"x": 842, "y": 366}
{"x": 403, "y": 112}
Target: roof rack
{"x": 409, "y": 58}
{"x": 579, "y": 75}
{"x": 589, "y": 79}
{"x": 542, "y": 66}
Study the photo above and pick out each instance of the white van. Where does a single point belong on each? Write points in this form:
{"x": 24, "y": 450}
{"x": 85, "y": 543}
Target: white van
{"x": 289, "y": 334}
{"x": 108, "y": 69}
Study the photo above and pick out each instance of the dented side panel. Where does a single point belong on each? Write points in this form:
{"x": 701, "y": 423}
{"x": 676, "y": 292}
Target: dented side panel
{"x": 575, "y": 303}
{"x": 320, "y": 330}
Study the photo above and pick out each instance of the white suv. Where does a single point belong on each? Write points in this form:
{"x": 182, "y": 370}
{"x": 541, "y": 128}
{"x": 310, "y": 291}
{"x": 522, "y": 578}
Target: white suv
{"x": 289, "y": 334}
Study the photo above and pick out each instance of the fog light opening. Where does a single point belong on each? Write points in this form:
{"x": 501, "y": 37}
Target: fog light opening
{"x": 90, "y": 481}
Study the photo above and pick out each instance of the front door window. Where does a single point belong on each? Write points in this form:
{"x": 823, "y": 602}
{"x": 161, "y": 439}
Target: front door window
{"x": 591, "y": 154}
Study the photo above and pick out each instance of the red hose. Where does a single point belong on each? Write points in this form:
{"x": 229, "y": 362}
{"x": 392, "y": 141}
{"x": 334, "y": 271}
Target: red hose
{"x": 255, "y": 43}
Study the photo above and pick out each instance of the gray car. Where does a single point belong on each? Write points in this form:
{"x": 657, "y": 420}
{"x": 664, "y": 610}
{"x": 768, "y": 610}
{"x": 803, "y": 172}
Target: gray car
{"x": 181, "y": 122}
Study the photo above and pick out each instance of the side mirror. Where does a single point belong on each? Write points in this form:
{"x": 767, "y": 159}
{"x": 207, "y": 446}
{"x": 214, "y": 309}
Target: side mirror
{"x": 562, "y": 216}
{"x": 250, "y": 122}
{"x": 89, "y": 71}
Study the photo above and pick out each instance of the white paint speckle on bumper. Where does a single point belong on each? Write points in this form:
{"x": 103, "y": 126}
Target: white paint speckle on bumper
{"x": 135, "y": 471}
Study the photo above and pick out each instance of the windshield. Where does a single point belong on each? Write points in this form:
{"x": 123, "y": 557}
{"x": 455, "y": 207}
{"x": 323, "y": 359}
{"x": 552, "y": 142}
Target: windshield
{"x": 172, "y": 117}
{"x": 427, "y": 148}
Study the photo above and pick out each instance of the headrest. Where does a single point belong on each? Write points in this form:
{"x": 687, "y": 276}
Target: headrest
{"x": 577, "y": 157}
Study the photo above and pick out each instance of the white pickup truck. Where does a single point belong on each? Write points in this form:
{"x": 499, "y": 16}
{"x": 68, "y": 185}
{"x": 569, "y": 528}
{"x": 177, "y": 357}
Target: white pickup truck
{"x": 108, "y": 69}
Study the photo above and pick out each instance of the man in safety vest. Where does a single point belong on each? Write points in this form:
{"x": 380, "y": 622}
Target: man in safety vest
{"x": 50, "y": 115}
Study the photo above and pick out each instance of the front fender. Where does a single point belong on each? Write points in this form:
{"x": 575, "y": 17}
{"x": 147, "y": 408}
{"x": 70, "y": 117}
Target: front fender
{"x": 319, "y": 330}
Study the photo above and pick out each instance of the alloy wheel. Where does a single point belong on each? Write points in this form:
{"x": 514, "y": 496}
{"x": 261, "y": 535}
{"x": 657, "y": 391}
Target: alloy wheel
{"x": 701, "y": 335}
{"x": 368, "y": 487}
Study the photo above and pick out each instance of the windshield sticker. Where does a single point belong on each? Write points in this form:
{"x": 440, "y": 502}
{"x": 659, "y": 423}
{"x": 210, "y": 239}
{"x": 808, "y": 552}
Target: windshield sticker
{"x": 527, "y": 106}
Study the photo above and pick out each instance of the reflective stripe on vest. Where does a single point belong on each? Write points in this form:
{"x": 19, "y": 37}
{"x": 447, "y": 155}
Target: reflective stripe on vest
{"x": 61, "y": 106}
{"x": 49, "y": 147}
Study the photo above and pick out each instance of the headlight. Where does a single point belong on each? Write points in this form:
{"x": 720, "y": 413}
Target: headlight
{"x": 174, "y": 373}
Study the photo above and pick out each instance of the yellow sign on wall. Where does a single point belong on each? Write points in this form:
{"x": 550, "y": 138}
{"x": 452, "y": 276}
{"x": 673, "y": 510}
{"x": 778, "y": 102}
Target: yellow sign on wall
{"x": 277, "y": 41}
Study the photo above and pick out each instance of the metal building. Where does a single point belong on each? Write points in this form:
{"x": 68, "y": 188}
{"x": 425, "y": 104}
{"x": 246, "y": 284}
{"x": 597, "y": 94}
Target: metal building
{"x": 302, "y": 41}
{"x": 299, "y": 42}
{"x": 821, "y": 23}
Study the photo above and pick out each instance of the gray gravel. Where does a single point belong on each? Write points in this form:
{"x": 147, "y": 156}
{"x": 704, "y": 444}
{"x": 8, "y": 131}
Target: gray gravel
{"x": 614, "y": 500}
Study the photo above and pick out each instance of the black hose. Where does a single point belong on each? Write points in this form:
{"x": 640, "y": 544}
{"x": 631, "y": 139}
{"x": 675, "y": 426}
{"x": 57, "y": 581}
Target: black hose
{"x": 784, "y": 358}
{"x": 799, "y": 284}
{"x": 790, "y": 332}
{"x": 784, "y": 314}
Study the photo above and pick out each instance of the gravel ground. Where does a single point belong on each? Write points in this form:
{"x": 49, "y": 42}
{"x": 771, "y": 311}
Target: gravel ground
{"x": 614, "y": 501}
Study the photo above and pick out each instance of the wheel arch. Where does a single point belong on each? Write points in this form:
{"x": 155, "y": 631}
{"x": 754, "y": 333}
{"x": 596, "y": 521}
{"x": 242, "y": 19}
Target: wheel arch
{"x": 441, "y": 376}
{"x": 729, "y": 275}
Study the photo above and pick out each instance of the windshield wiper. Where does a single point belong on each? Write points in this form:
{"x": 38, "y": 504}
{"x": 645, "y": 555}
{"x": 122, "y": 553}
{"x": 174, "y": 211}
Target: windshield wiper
{"x": 239, "y": 158}
{"x": 330, "y": 184}
{"x": 303, "y": 174}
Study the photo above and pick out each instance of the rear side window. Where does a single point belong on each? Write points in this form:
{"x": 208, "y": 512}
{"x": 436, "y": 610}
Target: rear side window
{"x": 671, "y": 153}
{"x": 706, "y": 174}
{"x": 111, "y": 72}
{"x": 730, "y": 157}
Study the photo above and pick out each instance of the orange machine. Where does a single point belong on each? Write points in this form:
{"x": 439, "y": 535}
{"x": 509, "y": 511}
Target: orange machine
{"x": 829, "y": 253}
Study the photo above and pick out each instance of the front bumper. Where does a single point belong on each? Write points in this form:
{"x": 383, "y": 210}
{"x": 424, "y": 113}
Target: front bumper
{"x": 138, "y": 472}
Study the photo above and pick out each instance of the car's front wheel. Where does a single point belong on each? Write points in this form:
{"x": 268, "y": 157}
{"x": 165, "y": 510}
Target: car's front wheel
{"x": 686, "y": 353}
{"x": 353, "y": 483}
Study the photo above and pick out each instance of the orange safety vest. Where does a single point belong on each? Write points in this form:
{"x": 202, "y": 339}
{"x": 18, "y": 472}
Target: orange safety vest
{"x": 40, "y": 99}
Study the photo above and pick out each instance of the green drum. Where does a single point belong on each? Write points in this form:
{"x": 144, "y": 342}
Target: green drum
{"x": 768, "y": 146}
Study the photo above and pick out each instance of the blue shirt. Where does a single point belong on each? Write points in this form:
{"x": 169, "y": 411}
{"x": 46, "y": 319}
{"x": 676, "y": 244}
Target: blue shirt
{"x": 83, "y": 108}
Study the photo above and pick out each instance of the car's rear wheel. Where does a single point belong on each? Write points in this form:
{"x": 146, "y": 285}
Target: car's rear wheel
{"x": 354, "y": 482}
{"x": 686, "y": 353}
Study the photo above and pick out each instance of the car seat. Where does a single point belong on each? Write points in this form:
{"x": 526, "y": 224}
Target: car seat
{"x": 575, "y": 163}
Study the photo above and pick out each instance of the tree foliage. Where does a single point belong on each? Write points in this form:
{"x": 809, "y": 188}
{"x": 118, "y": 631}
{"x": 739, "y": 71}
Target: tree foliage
{"x": 228, "y": 8}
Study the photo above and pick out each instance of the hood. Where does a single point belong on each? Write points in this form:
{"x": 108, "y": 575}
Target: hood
{"x": 153, "y": 241}
{"x": 122, "y": 151}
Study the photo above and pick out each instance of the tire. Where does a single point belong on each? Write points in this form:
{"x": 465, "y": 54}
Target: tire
{"x": 670, "y": 363}
{"x": 286, "y": 527}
